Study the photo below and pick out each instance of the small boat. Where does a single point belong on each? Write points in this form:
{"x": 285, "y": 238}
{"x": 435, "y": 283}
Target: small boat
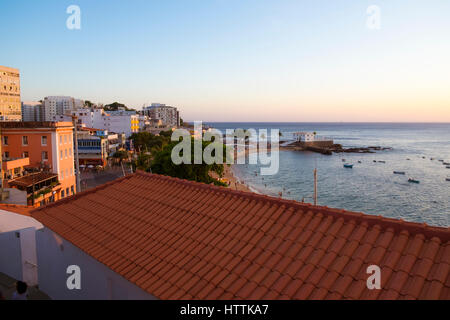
{"x": 447, "y": 179}
{"x": 413, "y": 180}
{"x": 359, "y": 161}
{"x": 374, "y": 160}
{"x": 448, "y": 167}
{"x": 446, "y": 163}
{"x": 441, "y": 160}
{"x": 348, "y": 166}
{"x": 381, "y": 161}
{"x": 399, "y": 172}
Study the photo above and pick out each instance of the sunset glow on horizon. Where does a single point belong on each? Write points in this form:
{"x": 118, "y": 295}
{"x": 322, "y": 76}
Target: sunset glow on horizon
{"x": 234, "y": 60}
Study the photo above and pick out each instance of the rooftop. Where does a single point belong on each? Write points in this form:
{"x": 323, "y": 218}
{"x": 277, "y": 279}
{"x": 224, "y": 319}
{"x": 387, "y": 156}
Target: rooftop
{"x": 32, "y": 178}
{"x": 179, "y": 239}
{"x": 34, "y": 124}
{"x": 12, "y": 219}
{"x": 16, "y": 208}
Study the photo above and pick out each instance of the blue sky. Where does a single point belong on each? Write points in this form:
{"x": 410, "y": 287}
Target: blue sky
{"x": 238, "y": 60}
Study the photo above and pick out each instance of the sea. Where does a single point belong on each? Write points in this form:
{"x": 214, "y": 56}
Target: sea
{"x": 370, "y": 187}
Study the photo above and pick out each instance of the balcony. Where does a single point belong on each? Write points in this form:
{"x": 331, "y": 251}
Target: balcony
{"x": 15, "y": 163}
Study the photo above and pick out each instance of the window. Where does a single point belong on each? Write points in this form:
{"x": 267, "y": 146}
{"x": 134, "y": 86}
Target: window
{"x": 6, "y": 154}
{"x": 65, "y": 152}
{"x": 67, "y": 191}
{"x": 61, "y": 154}
{"x": 72, "y": 189}
{"x": 5, "y": 140}
{"x": 44, "y": 140}
{"x": 62, "y": 194}
{"x": 44, "y": 155}
{"x": 25, "y": 140}
{"x": 70, "y": 152}
{"x": 25, "y": 154}
{"x": 62, "y": 174}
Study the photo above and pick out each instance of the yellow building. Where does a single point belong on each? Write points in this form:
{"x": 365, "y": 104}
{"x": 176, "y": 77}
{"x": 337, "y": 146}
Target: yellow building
{"x": 10, "y": 108}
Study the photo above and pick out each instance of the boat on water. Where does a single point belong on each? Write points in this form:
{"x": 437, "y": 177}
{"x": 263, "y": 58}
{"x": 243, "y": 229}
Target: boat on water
{"x": 348, "y": 166}
{"x": 381, "y": 161}
{"x": 446, "y": 163}
{"x": 399, "y": 172}
{"x": 447, "y": 179}
{"x": 374, "y": 160}
{"x": 441, "y": 160}
{"x": 448, "y": 167}
{"x": 412, "y": 180}
{"x": 359, "y": 161}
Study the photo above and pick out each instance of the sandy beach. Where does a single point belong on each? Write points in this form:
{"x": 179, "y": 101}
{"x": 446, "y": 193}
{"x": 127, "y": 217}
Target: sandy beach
{"x": 235, "y": 184}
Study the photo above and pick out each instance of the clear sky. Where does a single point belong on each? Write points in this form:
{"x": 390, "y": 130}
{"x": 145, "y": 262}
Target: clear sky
{"x": 238, "y": 60}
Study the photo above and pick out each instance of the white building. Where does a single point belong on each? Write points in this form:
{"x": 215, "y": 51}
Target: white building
{"x": 18, "y": 257}
{"x": 60, "y": 105}
{"x": 32, "y": 111}
{"x": 305, "y": 136}
{"x": 113, "y": 121}
{"x": 167, "y": 114}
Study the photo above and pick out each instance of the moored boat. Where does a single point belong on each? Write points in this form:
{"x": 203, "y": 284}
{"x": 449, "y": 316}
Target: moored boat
{"x": 348, "y": 166}
{"x": 399, "y": 172}
{"x": 413, "y": 180}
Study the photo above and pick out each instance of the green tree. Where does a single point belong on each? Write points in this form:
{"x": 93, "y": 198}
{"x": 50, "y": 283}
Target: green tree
{"x": 163, "y": 164}
{"x": 120, "y": 155}
{"x": 115, "y": 106}
{"x": 147, "y": 142}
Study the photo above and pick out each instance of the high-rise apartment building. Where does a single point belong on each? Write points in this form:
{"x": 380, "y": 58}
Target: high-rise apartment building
{"x": 32, "y": 111}
{"x": 10, "y": 107}
{"x": 59, "y": 105}
{"x": 168, "y": 115}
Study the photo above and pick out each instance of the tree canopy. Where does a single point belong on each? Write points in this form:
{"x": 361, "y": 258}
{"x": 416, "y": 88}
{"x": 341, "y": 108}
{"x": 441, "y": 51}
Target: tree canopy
{"x": 115, "y": 106}
{"x": 163, "y": 164}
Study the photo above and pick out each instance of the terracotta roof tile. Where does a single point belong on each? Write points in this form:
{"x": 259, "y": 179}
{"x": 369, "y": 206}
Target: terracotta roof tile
{"x": 184, "y": 240}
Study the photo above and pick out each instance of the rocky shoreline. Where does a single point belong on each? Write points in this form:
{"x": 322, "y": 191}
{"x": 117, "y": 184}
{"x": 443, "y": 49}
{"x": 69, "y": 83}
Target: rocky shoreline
{"x": 335, "y": 148}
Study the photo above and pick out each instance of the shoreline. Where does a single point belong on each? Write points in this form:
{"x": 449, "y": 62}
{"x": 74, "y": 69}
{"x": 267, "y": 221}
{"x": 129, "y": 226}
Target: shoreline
{"x": 234, "y": 182}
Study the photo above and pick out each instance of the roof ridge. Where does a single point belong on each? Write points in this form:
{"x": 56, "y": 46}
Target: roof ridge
{"x": 398, "y": 225}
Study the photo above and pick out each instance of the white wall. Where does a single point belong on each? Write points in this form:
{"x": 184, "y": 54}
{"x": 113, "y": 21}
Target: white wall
{"x": 18, "y": 246}
{"x": 55, "y": 254}
{"x": 10, "y": 255}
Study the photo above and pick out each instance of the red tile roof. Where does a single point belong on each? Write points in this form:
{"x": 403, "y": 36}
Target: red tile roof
{"x": 16, "y": 208}
{"x": 178, "y": 239}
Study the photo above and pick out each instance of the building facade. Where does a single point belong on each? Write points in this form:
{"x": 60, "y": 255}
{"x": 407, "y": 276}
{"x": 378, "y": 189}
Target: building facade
{"x": 10, "y": 107}
{"x": 92, "y": 149}
{"x": 126, "y": 122}
{"x": 32, "y": 111}
{"x": 49, "y": 148}
{"x": 59, "y": 105}
{"x": 168, "y": 115}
